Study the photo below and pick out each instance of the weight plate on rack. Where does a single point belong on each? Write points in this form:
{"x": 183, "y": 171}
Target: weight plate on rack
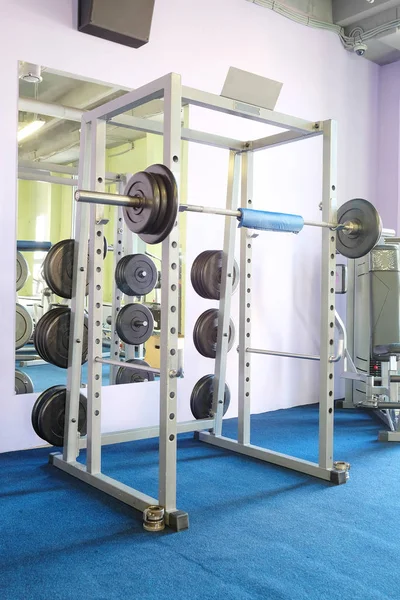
{"x": 202, "y": 397}
{"x": 51, "y": 337}
{"x": 205, "y": 333}
{"x": 134, "y": 324}
{"x": 38, "y": 405}
{"x": 51, "y": 416}
{"x": 58, "y": 268}
{"x": 105, "y": 250}
{"x": 22, "y": 271}
{"x": 142, "y": 185}
{"x": 354, "y": 244}
{"x": 205, "y": 274}
{"x": 23, "y": 327}
{"x": 136, "y": 275}
{"x": 171, "y": 188}
{"x": 23, "y": 383}
{"x": 125, "y": 375}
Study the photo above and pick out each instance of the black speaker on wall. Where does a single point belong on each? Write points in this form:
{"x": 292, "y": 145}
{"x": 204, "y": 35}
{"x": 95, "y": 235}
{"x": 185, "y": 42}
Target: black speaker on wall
{"x": 126, "y": 22}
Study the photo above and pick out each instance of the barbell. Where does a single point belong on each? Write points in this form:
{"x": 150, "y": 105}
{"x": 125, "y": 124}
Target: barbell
{"x": 151, "y": 205}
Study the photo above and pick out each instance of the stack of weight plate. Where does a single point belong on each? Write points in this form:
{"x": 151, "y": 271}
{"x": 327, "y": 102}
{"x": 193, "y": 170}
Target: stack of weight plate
{"x": 22, "y": 271}
{"x": 153, "y": 218}
{"x": 205, "y": 333}
{"x": 202, "y": 397}
{"x": 48, "y": 415}
{"x": 23, "y": 383}
{"x": 205, "y": 274}
{"x": 134, "y": 324}
{"x": 51, "y": 337}
{"x": 136, "y": 275}
{"x": 58, "y": 267}
{"x": 23, "y": 326}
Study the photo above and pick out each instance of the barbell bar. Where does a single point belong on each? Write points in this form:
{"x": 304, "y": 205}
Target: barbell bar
{"x": 136, "y": 202}
{"x": 151, "y": 205}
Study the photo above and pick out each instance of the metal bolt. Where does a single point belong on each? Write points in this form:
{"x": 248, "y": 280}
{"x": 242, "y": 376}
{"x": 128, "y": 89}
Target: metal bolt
{"x": 173, "y": 373}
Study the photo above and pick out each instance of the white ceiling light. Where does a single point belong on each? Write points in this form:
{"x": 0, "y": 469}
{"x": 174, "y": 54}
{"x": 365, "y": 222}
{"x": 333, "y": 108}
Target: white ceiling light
{"x": 30, "y": 73}
{"x": 30, "y": 129}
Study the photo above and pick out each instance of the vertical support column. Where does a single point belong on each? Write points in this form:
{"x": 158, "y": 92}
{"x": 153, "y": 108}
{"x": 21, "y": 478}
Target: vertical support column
{"x": 328, "y": 265}
{"x": 350, "y": 308}
{"x": 169, "y": 307}
{"x": 129, "y": 248}
{"x": 116, "y": 293}
{"x": 97, "y": 176}
{"x": 224, "y": 311}
{"x": 71, "y": 447}
{"x": 246, "y": 243}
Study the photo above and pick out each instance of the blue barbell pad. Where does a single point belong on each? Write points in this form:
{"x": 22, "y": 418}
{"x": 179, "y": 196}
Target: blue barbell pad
{"x": 270, "y": 221}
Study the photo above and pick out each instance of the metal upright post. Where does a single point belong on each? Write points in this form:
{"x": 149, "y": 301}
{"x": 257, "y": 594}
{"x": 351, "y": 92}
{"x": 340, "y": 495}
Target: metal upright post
{"x": 328, "y": 273}
{"x": 116, "y": 293}
{"x": 246, "y": 243}
{"x": 169, "y": 307}
{"x": 224, "y": 312}
{"x": 71, "y": 447}
{"x": 97, "y": 176}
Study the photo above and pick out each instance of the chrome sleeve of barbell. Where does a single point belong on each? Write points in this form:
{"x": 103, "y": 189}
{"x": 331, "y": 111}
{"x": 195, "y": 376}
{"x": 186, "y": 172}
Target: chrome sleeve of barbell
{"x": 107, "y": 198}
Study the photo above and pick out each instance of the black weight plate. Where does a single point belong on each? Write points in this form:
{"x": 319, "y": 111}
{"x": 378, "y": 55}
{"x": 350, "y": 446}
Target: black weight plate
{"x": 202, "y": 397}
{"x": 51, "y": 338}
{"x": 129, "y": 327}
{"x": 38, "y": 404}
{"x": 211, "y": 275}
{"x": 51, "y": 417}
{"x": 159, "y": 222}
{"x": 142, "y": 185}
{"x": 22, "y": 271}
{"x": 205, "y": 274}
{"x": 359, "y": 243}
{"x": 125, "y": 375}
{"x": 105, "y": 249}
{"x": 172, "y": 207}
{"x": 205, "y": 333}
{"x": 23, "y": 383}
{"x": 23, "y": 326}
{"x": 58, "y": 268}
{"x": 137, "y": 276}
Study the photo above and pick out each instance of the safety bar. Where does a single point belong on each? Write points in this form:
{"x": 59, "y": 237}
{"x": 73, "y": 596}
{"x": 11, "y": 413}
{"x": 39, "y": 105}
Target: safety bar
{"x": 127, "y": 365}
{"x": 342, "y": 343}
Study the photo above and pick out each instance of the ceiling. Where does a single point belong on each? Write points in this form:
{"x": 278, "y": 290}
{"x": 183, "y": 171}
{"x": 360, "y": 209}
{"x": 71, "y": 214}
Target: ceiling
{"x": 58, "y": 140}
{"x": 373, "y": 22}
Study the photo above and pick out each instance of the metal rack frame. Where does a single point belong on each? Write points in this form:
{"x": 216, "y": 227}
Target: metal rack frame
{"x": 92, "y": 177}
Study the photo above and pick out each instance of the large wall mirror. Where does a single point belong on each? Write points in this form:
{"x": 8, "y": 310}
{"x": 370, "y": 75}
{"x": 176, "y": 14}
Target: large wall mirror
{"x": 50, "y": 106}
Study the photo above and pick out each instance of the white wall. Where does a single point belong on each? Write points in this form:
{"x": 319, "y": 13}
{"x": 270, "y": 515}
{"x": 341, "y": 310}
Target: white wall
{"x": 201, "y": 40}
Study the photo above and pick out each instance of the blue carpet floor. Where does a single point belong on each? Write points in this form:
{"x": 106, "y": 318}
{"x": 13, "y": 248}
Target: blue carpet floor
{"x": 256, "y": 531}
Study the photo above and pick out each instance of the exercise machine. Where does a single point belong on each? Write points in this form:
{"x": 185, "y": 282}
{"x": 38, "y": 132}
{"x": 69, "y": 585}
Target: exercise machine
{"x": 150, "y": 208}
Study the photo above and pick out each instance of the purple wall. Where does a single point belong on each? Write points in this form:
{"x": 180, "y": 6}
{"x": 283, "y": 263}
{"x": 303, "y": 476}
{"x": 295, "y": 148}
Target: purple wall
{"x": 387, "y": 197}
